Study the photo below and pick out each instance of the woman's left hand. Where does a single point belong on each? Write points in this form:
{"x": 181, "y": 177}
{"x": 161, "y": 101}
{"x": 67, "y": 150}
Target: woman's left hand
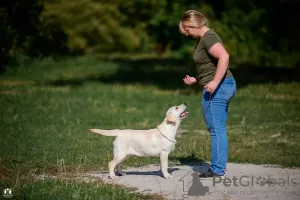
{"x": 211, "y": 86}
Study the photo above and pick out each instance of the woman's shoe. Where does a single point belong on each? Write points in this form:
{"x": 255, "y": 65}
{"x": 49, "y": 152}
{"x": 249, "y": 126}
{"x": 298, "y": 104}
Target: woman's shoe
{"x": 210, "y": 175}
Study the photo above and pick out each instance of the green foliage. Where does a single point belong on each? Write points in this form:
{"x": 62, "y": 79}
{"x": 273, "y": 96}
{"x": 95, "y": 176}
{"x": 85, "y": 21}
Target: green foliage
{"x": 235, "y": 27}
{"x": 90, "y": 25}
{"x": 59, "y": 27}
{"x": 18, "y": 28}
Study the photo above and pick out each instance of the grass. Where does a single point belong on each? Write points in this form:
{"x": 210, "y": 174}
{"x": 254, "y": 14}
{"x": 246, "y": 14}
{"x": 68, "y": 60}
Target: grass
{"x": 48, "y": 106}
{"x": 75, "y": 189}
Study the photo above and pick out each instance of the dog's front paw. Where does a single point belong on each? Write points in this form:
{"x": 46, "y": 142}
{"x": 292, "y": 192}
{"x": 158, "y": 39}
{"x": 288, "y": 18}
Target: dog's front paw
{"x": 114, "y": 177}
{"x": 168, "y": 176}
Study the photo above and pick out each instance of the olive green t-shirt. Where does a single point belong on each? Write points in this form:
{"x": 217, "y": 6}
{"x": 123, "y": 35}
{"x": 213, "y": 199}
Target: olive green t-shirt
{"x": 206, "y": 65}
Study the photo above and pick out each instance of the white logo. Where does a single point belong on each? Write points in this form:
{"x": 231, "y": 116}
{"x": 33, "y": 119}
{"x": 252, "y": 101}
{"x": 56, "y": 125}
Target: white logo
{"x": 7, "y": 193}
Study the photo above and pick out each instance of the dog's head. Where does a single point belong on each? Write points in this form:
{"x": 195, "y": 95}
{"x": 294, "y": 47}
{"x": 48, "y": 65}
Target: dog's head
{"x": 177, "y": 113}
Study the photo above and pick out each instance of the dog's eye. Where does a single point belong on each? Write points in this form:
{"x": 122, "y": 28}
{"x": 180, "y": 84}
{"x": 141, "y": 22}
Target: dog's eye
{"x": 176, "y": 108}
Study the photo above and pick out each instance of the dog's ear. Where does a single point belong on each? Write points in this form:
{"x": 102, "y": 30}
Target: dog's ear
{"x": 171, "y": 119}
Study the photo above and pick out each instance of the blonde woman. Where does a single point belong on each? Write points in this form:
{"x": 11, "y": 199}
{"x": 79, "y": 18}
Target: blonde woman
{"x": 219, "y": 86}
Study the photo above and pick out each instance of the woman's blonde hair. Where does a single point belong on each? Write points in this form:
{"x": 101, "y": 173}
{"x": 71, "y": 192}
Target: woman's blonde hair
{"x": 192, "y": 18}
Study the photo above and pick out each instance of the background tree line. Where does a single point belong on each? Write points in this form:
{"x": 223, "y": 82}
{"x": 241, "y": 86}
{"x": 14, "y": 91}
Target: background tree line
{"x": 255, "y": 32}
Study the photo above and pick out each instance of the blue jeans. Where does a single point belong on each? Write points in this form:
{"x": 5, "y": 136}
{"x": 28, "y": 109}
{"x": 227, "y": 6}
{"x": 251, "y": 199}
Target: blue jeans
{"x": 215, "y": 111}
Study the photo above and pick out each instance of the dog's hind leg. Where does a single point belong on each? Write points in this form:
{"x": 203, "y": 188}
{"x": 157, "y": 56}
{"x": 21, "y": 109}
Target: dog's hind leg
{"x": 119, "y": 167}
{"x": 112, "y": 164}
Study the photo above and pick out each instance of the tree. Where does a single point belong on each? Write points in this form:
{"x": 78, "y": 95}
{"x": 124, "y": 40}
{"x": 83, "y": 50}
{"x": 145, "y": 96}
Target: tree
{"x": 90, "y": 25}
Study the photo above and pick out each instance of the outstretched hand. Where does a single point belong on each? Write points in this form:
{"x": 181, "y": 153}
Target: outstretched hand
{"x": 189, "y": 80}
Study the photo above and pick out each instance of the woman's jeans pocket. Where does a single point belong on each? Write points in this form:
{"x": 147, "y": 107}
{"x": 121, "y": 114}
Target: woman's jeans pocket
{"x": 228, "y": 89}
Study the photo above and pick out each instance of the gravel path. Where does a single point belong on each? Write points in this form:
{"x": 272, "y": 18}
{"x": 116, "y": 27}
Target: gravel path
{"x": 242, "y": 182}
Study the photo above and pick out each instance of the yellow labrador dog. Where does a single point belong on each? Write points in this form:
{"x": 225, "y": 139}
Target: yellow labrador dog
{"x": 159, "y": 141}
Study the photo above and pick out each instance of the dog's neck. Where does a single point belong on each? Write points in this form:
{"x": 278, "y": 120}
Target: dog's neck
{"x": 169, "y": 129}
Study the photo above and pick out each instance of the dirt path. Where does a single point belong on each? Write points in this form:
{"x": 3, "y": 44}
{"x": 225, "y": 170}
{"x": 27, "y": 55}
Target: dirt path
{"x": 242, "y": 182}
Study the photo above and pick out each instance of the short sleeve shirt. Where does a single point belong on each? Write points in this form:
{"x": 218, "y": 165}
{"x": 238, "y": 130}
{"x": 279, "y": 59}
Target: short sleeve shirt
{"x": 206, "y": 65}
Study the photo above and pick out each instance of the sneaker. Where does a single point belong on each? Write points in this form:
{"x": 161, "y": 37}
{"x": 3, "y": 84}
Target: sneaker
{"x": 210, "y": 175}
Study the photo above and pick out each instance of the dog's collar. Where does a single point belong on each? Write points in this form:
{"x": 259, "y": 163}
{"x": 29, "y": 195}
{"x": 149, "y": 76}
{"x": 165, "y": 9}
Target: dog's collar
{"x": 166, "y": 136}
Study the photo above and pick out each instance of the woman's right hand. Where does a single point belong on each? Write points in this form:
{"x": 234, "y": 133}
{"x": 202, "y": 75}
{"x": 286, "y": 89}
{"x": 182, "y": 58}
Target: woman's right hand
{"x": 189, "y": 80}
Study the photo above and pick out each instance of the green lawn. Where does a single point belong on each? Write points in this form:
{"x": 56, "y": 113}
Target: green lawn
{"x": 47, "y": 108}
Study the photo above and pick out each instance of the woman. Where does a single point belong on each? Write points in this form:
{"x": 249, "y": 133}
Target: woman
{"x": 218, "y": 84}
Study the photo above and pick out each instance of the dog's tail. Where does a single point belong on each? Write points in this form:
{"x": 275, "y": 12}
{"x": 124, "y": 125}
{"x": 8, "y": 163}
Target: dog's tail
{"x": 105, "y": 132}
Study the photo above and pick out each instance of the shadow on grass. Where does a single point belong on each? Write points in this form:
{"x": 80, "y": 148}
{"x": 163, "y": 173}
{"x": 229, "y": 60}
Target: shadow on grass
{"x": 198, "y": 165}
{"x": 153, "y": 173}
{"x": 190, "y": 160}
{"x": 169, "y": 73}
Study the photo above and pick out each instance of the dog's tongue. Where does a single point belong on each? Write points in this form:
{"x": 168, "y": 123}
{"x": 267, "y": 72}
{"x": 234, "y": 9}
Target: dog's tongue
{"x": 184, "y": 114}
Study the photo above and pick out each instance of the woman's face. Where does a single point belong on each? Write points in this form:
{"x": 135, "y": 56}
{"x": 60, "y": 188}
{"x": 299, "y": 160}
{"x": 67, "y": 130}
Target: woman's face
{"x": 190, "y": 30}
